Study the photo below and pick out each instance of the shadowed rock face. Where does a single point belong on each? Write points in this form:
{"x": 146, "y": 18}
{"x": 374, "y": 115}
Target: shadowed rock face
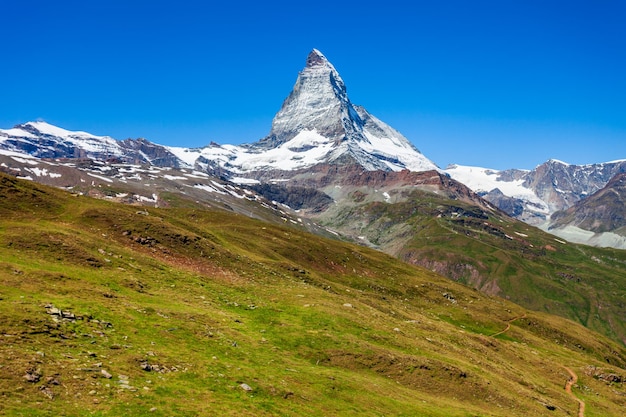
{"x": 562, "y": 185}
{"x": 604, "y": 211}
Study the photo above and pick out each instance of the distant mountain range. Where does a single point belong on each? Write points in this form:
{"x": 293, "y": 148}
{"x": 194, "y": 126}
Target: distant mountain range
{"x": 539, "y": 195}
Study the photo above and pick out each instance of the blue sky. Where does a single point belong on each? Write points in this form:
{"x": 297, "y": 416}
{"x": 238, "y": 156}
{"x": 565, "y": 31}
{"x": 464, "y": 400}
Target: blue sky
{"x": 500, "y": 84}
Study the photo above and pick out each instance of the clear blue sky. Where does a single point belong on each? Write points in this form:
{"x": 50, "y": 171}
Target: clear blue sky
{"x": 499, "y": 83}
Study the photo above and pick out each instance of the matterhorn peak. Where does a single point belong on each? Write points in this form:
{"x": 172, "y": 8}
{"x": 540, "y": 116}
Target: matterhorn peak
{"x": 316, "y": 59}
{"x": 318, "y": 117}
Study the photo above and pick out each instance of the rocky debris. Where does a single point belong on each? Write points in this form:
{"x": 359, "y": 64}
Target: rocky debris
{"x": 33, "y": 375}
{"x": 124, "y": 383}
{"x": 46, "y": 391}
{"x": 450, "y": 297}
{"x": 146, "y": 366}
{"x": 295, "y": 197}
{"x": 609, "y": 378}
{"x": 59, "y": 315}
{"x": 245, "y": 387}
{"x": 53, "y": 380}
{"x": 146, "y": 240}
{"x": 106, "y": 374}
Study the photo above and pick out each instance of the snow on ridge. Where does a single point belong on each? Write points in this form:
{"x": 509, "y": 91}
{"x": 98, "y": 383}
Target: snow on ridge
{"x": 16, "y": 132}
{"x": 15, "y": 154}
{"x": 48, "y": 129}
{"x": 485, "y": 180}
{"x": 82, "y": 140}
{"x": 557, "y": 161}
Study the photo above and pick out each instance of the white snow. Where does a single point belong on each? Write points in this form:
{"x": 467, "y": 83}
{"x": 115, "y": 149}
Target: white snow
{"x": 485, "y": 180}
{"x": 44, "y": 173}
{"x": 15, "y": 132}
{"x": 241, "y": 180}
{"x": 14, "y": 154}
{"x": 559, "y": 162}
{"x": 25, "y": 159}
{"x": 100, "y": 177}
{"x": 208, "y": 188}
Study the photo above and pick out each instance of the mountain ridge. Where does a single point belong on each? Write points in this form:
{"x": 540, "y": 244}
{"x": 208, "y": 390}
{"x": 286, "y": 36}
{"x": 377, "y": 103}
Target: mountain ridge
{"x": 535, "y": 195}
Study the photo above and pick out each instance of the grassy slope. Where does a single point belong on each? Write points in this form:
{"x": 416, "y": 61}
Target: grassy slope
{"x": 499, "y": 256}
{"x": 210, "y": 300}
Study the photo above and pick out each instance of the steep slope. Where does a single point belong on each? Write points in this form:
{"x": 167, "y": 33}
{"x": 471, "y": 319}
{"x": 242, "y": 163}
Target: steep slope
{"x": 107, "y": 311}
{"x": 602, "y": 216}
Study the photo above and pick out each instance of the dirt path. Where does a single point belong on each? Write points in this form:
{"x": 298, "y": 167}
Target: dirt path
{"x": 570, "y": 382}
{"x": 508, "y": 325}
{"x": 568, "y": 388}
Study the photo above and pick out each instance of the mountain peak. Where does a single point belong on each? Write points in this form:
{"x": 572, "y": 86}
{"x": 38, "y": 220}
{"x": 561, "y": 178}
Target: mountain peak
{"x": 316, "y": 59}
{"x": 317, "y": 118}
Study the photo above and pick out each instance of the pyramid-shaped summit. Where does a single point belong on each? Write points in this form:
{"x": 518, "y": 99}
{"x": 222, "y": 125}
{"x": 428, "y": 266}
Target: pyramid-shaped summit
{"x": 318, "y": 116}
{"x": 317, "y": 102}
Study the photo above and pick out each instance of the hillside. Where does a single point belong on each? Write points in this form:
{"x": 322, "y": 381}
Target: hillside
{"x": 110, "y": 309}
{"x": 487, "y": 250}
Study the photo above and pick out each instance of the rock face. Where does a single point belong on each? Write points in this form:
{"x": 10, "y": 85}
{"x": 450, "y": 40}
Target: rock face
{"x": 562, "y": 185}
{"x": 603, "y": 211}
{"x": 319, "y": 102}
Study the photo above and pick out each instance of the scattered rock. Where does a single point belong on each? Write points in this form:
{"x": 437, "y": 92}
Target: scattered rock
{"x": 125, "y": 384}
{"x": 106, "y": 374}
{"x": 245, "y": 387}
{"x": 61, "y": 315}
{"x": 53, "y": 380}
{"x": 33, "y": 375}
{"x": 47, "y": 392}
{"x": 347, "y": 305}
{"x": 450, "y": 297}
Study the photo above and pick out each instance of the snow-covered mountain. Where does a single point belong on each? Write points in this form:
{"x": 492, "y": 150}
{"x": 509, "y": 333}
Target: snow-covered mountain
{"x": 316, "y": 124}
{"x": 534, "y": 196}
{"x": 43, "y": 140}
